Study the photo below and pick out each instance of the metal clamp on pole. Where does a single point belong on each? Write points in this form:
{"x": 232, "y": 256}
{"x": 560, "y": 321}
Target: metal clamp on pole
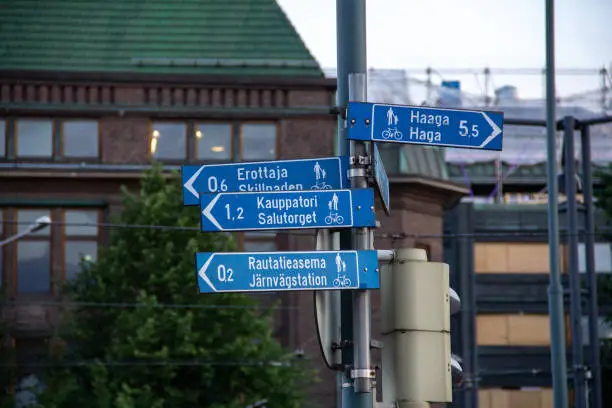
{"x": 363, "y": 373}
{"x": 363, "y": 160}
{"x": 357, "y": 172}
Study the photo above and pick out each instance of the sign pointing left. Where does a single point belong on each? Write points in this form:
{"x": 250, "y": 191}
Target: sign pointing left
{"x": 286, "y": 271}
{"x": 288, "y": 210}
{"x": 327, "y": 173}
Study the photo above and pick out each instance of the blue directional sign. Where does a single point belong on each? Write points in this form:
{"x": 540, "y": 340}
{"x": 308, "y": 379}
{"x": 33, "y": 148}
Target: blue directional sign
{"x": 286, "y": 175}
{"x": 427, "y": 126}
{"x": 382, "y": 181}
{"x": 287, "y": 210}
{"x": 286, "y": 271}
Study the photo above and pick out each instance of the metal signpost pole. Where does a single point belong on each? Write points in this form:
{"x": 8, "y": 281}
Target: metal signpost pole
{"x": 555, "y": 290}
{"x": 351, "y": 43}
{"x": 572, "y": 244}
{"x": 385, "y": 123}
{"x": 589, "y": 249}
{"x": 361, "y": 373}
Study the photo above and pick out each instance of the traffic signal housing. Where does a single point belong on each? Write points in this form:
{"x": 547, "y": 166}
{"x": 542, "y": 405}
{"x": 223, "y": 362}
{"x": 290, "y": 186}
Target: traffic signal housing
{"x": 416, "y": 305}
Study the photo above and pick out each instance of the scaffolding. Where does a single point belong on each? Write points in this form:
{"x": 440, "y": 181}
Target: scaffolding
{"x": 522, "y": 145}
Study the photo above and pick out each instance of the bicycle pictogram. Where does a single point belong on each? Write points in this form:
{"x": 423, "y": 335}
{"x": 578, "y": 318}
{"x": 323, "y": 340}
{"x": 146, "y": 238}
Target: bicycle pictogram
{"x": 341, "y": 281}
{"x": 321, "y": 185}
{"x": 334, "y": 218}
{"x": 392, "y": 133}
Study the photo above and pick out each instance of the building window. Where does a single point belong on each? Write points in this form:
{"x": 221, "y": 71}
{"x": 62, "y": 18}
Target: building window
{"x": 603, "y": 257}
{"x": 34, "y": 138}
{"x": 169, "y": 141}
{"x": 258, "y": 242}
{"x": 213, "y": 141}
{"x": 2, "y": 138}
{"x": 39, "y": 258}
{"x": 33, "y": 254}
{"x": 604, "y": 329}
{"x": 258, "y": 141}
{"x": 42, "y": 139}
{"x": 80, "y": 241}
{"x": 80, "y": 138}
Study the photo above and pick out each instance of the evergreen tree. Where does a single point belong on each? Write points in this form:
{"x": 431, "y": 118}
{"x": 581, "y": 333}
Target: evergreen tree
{"x": 157, "y": 356}
{"x": 7, "y": 365}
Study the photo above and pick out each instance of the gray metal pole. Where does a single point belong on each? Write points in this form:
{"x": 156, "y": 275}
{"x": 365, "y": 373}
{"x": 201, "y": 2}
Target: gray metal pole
{"x": 361, "y": 373}
{"x": 464, "y": 248}
{"x": 574, "y": 275}
{"x": 589, "y": 250}
{"x": 351, "y": 51}
{"x": 555, "y": 290}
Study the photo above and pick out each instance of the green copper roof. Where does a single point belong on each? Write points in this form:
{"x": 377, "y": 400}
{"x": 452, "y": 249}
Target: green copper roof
{"x": 424, "y": 160}
{"x": 414, "y": 160}
{"x": 210, "y": 37}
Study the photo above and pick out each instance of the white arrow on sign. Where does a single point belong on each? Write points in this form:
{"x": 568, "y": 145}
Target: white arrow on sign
{"x": 207, "y": 212}
{"x": 496, "y": 130}
{"x": 202, "y": 273}
{"x": 189, "y": 183}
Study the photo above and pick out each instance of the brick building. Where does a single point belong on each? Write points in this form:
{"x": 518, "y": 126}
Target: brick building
{"x": 89, "y": 96}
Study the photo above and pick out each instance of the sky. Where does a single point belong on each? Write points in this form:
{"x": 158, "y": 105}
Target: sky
{"x": 443, "y": 34}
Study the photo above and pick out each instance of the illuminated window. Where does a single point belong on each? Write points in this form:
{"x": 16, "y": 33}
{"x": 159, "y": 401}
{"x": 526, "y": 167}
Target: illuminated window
{"x": 34, "y": 138}
{"x": 168, "y": 141}
{"x": 213, "y": 141}
{"x": 258, "y": 141}
{"x": 81, "y": 240}
{"x": 80, "y": 138}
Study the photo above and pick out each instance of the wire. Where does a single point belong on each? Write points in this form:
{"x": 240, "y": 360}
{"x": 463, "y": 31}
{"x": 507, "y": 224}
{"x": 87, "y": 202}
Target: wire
{"x": 177, "y": 228}
{"x": 394, "y": 235}
{"x": 513, "y": 234}
{"x": 141, "y": 305}
{"x": 134, "y": 363}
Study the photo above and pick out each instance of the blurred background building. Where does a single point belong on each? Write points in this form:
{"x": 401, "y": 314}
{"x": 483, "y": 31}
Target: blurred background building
{"x": 496, "y": 240}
